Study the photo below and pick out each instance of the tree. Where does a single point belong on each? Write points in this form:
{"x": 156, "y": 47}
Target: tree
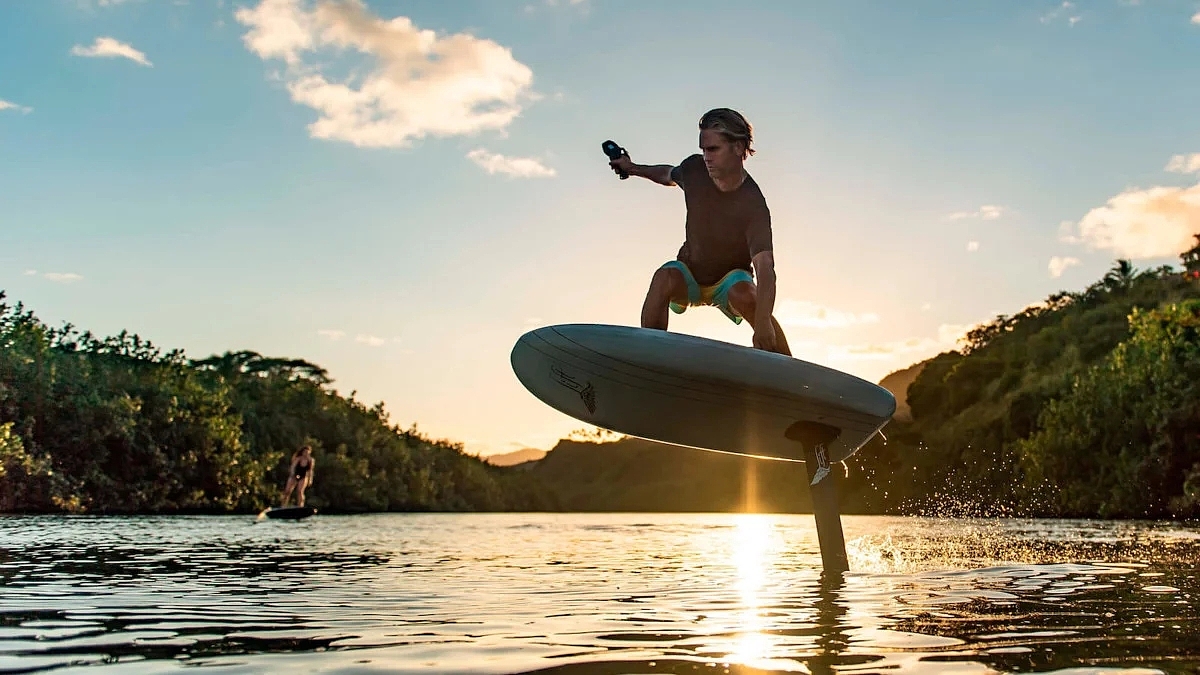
{"x": 1191, "y": 258}
{"x": 1120, "y": 277}
{"x": 1123, "y": 441}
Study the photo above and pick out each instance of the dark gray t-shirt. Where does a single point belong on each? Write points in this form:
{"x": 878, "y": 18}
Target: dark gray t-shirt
{"x": 724, "y": 230}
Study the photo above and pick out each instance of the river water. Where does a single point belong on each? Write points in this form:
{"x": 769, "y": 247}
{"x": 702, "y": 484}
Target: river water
{"x": 584, "y": 594}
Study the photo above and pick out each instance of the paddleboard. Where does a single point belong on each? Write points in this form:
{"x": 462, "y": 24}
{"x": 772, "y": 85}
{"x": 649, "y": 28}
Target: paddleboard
{"x": 290, "y": 512}
{"x": 698, "y": 392}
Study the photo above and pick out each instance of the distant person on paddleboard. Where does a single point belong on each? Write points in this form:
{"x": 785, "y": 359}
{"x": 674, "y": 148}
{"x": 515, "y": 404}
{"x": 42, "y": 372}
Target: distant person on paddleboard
{"x": 727, "y": 233}
{"x": 300, "y": 475}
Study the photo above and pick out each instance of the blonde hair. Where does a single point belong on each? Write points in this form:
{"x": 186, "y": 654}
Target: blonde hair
{"x": 732, "y": 125}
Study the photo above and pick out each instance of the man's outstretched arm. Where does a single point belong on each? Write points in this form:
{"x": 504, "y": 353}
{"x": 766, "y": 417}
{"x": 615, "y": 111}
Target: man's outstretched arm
{"x": 659, "y": 173}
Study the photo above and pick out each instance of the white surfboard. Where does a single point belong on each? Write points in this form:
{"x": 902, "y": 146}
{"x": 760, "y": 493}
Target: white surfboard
{"x": 698, "y": 392}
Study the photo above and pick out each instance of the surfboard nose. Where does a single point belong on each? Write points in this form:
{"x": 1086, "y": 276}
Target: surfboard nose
{"x": 876, "y": 400}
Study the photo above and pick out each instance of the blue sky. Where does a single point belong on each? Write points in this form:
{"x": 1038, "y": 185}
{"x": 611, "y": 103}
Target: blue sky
{"x": 304, "y": 179}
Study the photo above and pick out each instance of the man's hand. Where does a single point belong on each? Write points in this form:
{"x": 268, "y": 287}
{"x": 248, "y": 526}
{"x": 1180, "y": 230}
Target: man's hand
{"x": 622, "y": 163}
{"x": 764, "y": 335}
{"x": 658, "y": 173}
{"x": 764, "y": 326}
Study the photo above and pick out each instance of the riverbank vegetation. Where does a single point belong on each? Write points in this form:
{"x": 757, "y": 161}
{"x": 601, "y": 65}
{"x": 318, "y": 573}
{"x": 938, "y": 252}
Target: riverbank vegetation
{"x": 116, "y": 425}
{"x": 1084, "y": 405}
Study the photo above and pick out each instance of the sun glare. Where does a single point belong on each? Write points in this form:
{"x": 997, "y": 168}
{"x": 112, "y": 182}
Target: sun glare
{"x": 751, "y": 551}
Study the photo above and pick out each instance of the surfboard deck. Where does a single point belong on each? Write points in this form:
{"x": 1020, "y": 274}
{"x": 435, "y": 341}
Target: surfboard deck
{"x": 698, "y": 392}
{"x": 290, "y": 512}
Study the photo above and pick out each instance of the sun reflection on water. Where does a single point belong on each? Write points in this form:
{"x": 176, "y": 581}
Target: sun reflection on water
{"x": 754, "y": 547}
{"x": 584, "y": 594}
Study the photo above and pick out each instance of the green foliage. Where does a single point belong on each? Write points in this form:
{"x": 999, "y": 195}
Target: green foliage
{"x": 1086, "y": 404}
{"x": 1125, "y": 439}
{"x": 24, "y": 478}
{"x": 1027, "y": 417}
{"x": 114, "y": 425}
{"x": 1191, "y": 258}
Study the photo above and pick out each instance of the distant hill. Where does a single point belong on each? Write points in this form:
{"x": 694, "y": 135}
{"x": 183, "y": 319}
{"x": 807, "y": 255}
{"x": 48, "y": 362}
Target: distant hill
{"x": 633, "y": 474}
{"x": 897, "y": 383}
{"x": 516, "y": 457}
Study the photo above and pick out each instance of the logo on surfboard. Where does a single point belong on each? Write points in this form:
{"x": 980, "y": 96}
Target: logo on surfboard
{"x": 586, "y": 392}
{"x": 822, "y": 465}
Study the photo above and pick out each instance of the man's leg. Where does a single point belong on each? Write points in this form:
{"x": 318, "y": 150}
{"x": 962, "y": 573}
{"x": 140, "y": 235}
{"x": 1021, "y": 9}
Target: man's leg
{"x": 743, "y": 297}
{"x": 666, "y": 286}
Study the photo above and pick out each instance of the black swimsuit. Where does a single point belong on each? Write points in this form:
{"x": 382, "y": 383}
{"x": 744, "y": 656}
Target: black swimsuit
{"x": 302, "y": 470}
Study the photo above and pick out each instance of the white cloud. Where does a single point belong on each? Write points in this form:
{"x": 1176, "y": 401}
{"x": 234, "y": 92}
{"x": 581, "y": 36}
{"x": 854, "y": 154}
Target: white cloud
{"x": 876, "y": 359}
{"x": 1196, "y": 18}
{"x": 106, "y": 47}
{"x": 519, "y": 167}
{"x": 62, "y": 277}
{"x": 972, "y": 246}
{"x": 1058, "y": 265}
{"x": 420, "y": 83}
{"x": 1151, "y": 223}
{"x": 811, "y": 315}
{"x": 9, "y": 105}
{"x": 1065, "y": 8}
{"x": 911, "y": 349}
{"x": 579, "y": 4}
{"x": 883, "y": 351}
{"x": 1066, "y": 232}
{"x": 1184, "y": 163}
{"x": 926, "y": 307}
{"x": 985, "y": 212}
{"x": 335, "y": 335}
{"x": 949, "y": 334}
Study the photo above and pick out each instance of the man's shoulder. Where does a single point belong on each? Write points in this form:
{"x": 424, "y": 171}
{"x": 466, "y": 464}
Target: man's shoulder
{"x": 685, "y": 168}
{"x": 755, "y": 191}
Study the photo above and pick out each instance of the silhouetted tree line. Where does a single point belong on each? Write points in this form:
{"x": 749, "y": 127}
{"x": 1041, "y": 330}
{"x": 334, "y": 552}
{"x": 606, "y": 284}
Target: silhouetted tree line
{"x": 114, "y": 425}
{"x": 1084, "y": 405}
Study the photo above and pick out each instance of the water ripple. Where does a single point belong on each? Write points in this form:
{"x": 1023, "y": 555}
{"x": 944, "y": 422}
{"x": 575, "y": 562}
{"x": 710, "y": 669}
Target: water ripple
{"x": 584, "y": 594}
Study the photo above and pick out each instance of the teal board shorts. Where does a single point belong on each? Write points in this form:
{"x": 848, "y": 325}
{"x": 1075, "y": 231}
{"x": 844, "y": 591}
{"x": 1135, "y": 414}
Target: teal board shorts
{"x": 716, "y": 295}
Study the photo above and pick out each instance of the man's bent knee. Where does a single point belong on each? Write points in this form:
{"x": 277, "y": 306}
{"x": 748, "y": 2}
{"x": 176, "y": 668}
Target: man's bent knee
{"x": 668, "y": 283}
{"x": 743, "y": 297}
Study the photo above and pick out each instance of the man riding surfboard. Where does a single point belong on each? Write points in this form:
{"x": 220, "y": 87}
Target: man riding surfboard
{"x": 727, "y": 234}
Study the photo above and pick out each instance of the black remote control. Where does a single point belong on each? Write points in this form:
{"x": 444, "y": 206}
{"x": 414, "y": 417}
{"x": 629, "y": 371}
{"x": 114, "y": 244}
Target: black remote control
{"x": 615, "y": 151}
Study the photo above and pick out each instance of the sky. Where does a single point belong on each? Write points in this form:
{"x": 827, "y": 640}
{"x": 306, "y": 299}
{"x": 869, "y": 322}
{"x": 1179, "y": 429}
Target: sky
{"x": 398, "y": 190}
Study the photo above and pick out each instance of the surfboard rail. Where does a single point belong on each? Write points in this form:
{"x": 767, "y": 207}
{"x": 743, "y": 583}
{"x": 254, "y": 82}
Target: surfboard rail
{"x": 696, "y": 392}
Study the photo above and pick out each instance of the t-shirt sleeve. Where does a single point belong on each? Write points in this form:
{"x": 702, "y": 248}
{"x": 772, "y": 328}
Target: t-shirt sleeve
{"x": 758, "y": 234}
{"x": 680, "y": 173}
